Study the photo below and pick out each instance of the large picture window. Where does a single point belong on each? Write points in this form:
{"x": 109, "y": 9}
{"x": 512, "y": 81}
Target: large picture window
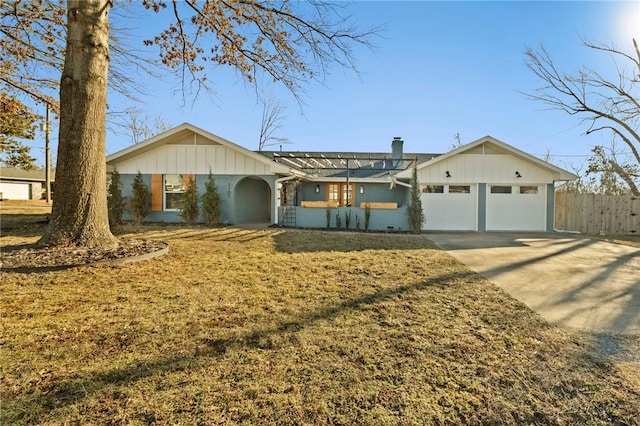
{"x": 174, "y": 187}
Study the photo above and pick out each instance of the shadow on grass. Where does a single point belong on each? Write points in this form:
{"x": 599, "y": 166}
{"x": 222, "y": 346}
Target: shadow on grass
{"x": 309, "y": 242}
{"x": 72, "y": 390}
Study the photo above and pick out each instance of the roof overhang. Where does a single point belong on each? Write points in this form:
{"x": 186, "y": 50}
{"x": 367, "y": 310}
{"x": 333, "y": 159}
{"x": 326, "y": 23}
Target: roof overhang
{"x": 180, "y": 132}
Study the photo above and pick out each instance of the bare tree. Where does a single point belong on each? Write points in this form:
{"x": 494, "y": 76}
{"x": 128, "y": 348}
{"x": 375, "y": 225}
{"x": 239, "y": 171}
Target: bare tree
{"x": 604, "y": 104}
{"x": 290, "y": 43}
{"x": 137, "y": 125}
{"x": 272, "y": 121}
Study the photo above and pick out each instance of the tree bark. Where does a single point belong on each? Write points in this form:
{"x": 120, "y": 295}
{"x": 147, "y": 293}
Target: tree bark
{"x": 79, "y": 215}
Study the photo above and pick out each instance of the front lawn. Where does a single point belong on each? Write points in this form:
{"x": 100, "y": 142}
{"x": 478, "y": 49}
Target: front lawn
{"x": 238, "y": 326}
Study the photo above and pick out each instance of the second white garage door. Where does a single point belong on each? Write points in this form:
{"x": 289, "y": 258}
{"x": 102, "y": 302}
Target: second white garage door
{"x": 450, "y": 207}
{"x": 516, "y": 208}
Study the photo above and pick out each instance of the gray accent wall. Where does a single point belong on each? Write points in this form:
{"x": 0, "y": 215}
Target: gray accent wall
{"x": 551, "y": 207}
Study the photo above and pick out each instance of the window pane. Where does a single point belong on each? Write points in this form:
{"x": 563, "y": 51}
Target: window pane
{"x": 497, "y": 189}
{"x": 433, "y": 189}
{"x": 347, "y": 194}
{"x": 459, "y": 189}
{"x": 173, "y": 200}
{"x": 333, "y": 192}
{"x": 528, "y": 189}
{"x": 173, "y": 183}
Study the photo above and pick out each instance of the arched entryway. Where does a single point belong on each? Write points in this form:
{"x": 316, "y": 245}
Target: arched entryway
{"x": 253, "y": 200}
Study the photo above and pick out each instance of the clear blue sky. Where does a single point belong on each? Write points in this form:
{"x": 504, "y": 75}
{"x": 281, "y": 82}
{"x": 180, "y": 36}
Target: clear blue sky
{"x": 440, "y": 68}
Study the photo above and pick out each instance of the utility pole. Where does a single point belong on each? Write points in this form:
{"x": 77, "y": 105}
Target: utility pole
{"x": 47, "y": 159}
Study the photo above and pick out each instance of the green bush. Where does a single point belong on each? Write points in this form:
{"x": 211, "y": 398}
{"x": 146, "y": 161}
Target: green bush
{"x": 139, "y": 202}
{"x": 189, "y": 208}
{"x": 367, "y": 216}
{"x": 211, "y": 202}
{"x": 328, "y": 218}
{"x": 116, "y": 202}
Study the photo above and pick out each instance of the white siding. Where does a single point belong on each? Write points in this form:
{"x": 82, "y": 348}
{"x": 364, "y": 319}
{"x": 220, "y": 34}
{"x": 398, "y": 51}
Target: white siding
{"x": 193, "y": 159}
{"x": 495, "y": 168}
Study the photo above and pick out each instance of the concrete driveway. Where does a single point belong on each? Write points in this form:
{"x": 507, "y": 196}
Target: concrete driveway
{"x": 571, "y": 281}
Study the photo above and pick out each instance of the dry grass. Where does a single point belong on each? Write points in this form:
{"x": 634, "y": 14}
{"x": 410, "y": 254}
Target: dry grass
{"x": 241, "y": 326}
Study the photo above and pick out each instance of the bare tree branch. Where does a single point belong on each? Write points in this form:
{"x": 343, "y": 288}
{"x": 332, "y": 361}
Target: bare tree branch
{"x": 606, "y": 105}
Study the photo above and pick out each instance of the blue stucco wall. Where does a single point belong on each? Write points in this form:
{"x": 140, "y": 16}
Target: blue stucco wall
{"x": 372, "y": 192}
{"x": 226, "y": 184}
{"x": 380, "y": 219}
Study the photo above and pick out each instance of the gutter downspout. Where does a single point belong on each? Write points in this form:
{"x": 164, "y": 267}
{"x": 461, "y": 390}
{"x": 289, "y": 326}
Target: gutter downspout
{"x": 397, "y": 182}
{"x": 278, "y": 183}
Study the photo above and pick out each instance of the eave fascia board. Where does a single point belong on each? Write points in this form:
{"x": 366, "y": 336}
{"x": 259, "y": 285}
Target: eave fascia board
{"x": 162, "y": 138}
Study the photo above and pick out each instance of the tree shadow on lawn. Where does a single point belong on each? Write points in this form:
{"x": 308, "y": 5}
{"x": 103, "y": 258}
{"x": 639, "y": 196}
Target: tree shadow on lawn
{"x": 74, "y": 389}
{"x": 301, "y": 241}
{"x": 71, "y": 390}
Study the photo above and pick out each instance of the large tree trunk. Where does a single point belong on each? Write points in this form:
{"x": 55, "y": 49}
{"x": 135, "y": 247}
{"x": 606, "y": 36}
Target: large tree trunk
{"x": 80, "y": 215}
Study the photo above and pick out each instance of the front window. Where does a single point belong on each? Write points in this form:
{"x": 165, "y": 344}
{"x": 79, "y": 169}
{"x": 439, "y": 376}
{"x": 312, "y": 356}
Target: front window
{"x": 341, "y": 193}
{"x": 174, "y": 187}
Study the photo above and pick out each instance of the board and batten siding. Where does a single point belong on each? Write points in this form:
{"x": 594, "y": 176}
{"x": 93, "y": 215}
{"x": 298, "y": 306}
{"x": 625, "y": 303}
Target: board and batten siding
{"x": 194, "y": 159}
{"x": 489, "y": 168}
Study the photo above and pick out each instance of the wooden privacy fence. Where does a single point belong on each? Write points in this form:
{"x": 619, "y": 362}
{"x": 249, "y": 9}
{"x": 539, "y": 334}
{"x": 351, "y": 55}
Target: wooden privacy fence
{"x": 598, "y": 214}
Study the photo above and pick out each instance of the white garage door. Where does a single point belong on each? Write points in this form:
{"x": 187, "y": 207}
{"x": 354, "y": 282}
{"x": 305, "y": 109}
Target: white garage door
{"x": 516, "y": 208}
{"x": 15, "y": 191}
{"x": 450, "y": 207}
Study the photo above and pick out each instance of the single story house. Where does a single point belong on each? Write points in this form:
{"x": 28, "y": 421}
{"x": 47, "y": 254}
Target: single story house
{"x": 19, "y": 184}
{"x": 484, "y": 185}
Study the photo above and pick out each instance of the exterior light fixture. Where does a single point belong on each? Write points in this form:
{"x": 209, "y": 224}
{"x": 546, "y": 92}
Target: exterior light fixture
{"x": 362, "y": 189}
{"x": 317, "y": 188}
{"x": 447, "y": 174}
{"x": 518, "y": 175}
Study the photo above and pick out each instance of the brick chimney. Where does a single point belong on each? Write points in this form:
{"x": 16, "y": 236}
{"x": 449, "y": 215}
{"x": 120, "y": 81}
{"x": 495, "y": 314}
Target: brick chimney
{"x": 396, "y": 148}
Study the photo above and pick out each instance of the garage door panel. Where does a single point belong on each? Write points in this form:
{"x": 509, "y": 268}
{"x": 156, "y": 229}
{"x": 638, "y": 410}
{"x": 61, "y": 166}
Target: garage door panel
{"x": 516, "y": 211}
{"x": 450, "y": 211}
{"x": 15, "y": 191}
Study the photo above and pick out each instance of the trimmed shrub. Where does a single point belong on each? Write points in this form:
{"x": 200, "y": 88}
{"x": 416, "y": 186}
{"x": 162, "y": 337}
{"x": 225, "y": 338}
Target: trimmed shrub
{"x": 139, "y": 202}
{"x": 189, "y": 208}
{"x": 211, "y": 202}
{"x": 116, "y": 202}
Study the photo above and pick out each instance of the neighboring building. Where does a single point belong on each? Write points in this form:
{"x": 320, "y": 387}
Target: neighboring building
{"x": 19, "y": 184}
{"x": 474, "y": 187}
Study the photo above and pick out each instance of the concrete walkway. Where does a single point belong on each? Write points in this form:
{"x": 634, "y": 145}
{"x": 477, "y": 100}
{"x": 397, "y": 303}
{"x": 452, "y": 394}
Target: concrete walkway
{"x": 571, "y": 281}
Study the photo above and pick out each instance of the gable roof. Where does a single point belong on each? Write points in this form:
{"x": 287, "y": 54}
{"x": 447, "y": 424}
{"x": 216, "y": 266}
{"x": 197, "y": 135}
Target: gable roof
{"x": 493, "y": 144}
{"x": 343, "y": 164}
{"x": 180, "y": 132}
